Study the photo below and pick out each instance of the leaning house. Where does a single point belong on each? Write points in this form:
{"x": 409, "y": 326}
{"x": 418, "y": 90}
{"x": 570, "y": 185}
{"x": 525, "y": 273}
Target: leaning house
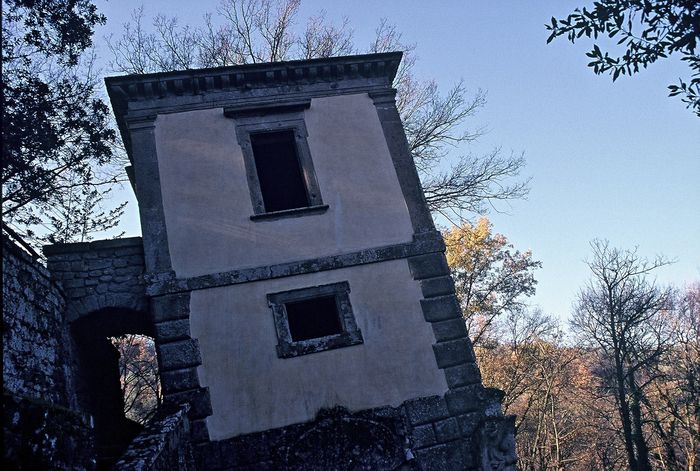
{"x": 290, "y": 274}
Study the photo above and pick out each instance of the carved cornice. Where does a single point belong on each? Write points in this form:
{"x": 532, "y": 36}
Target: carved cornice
{"x": 141, "y": 122}
{"x": 248, "y": 76}
{"x": 247, "y": 85}
{"x": 383, "y": 96}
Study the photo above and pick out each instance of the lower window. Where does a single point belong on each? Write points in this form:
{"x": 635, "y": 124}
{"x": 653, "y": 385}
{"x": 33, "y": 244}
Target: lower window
{"x": 314, "y": 319}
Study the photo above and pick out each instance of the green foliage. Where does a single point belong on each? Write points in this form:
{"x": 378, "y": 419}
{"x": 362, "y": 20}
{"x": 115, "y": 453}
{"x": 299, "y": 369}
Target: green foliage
{"x": 647, "y": 30}
{"x": 54, "y": 28}
{"x": 56, "y": 134}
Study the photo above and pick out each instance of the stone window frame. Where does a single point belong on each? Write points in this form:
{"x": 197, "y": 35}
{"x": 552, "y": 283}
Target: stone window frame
{"x": 288, "y": 348}
{"x": 278, "y": 120}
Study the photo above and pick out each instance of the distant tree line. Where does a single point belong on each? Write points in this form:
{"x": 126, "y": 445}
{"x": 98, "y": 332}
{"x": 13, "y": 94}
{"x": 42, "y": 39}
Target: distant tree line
{"x": 620, "y": 390}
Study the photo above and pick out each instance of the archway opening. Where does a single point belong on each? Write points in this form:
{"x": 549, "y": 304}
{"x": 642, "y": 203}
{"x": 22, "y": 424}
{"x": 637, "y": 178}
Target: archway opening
{"x": 138, "y": 375}
{"x": 98, "y": 375}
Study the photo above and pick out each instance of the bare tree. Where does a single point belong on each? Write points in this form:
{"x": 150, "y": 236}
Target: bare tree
{"x": 674, "y": 400}
{"x": 252, "y": 31}
{"x": 140, "y": 382}
{"x": 620, "y": 315}
{"x": 545, "y": 382}
{"x": 323, "y": 39}
{"x": 685, "y": 361}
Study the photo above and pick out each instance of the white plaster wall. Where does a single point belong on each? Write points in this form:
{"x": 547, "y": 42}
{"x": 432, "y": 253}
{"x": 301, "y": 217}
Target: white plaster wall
{"x": 207, "y": 202}
{"x": 252, "y": 389}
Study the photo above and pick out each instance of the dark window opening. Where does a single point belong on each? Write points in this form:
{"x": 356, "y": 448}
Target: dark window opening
{"x": 313, "y": 318}
{"x": 279, "y": 173}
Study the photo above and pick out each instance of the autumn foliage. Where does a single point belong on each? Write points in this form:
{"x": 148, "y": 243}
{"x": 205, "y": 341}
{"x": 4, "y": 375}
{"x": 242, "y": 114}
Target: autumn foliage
{"x": 618, "y": 389}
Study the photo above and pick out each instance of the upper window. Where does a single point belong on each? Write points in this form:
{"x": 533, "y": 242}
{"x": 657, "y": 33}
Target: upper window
{"x": 278, "y": 163}
{"x": 314, "y": 319}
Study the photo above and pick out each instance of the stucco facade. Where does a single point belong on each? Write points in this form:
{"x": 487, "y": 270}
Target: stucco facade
{"x": 394, "y": 382}
{"x": 254, "y": 390}
{"x": 207, "y": 203}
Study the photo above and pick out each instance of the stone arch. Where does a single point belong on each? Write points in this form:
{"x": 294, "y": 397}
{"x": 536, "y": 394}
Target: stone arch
{"x": 99, "y": 275}
{"x": 116, "y": 320}
{"x": 94, "y": 303}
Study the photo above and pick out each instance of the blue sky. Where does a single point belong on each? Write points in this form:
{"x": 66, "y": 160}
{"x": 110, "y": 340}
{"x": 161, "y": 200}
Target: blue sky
{"x": 617, "y": 161}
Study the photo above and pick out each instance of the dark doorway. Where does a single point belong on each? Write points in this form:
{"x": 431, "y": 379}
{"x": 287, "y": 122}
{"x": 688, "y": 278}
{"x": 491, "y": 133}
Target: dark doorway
{"x": 97, "y": 377}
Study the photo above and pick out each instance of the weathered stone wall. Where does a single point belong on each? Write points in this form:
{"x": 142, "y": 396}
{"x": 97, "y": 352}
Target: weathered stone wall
{"x": 163, "y": 445}
{"x": 421, "y": 435}
{"x": 99, "y": 275}
{"x": 41, "y": 429}
{"x": 41, "y": 435}
{"x": 105, "y": 297}
{"x": 373, "y": 439}
{"x": 36, "y": 356}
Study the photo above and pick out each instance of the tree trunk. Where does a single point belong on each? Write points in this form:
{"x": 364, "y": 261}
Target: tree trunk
{"x": 643, "y": 463}
{"x": 625, "y": 413}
